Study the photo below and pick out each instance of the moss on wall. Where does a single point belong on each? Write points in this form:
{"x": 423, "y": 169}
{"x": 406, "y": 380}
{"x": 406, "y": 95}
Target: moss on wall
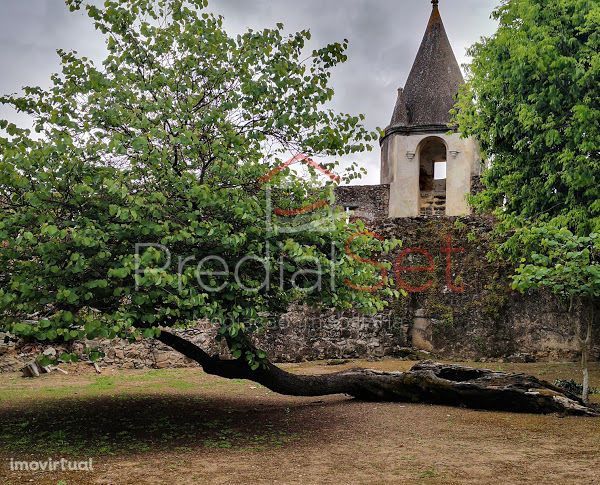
{"x": 473, "y": 310}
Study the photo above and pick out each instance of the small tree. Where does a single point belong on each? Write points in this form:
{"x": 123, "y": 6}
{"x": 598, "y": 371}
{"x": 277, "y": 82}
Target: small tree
{"x": 568, "y": 266}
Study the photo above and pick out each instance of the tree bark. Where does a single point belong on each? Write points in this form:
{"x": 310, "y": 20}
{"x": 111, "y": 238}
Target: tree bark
{"x": 585, "y": 354}
{"x": 426, "y": 382}
{"x": 585, "y": 343}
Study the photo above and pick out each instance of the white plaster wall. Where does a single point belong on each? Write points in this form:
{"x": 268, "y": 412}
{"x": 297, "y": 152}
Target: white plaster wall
{"x": 404, "y": 187}
{"x": 463, "y": 160}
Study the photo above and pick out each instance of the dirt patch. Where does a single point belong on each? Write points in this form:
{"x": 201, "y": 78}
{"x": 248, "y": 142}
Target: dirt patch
{"x": 182, "y": 426}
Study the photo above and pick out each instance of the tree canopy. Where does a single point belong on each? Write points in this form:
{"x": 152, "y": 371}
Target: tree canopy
{"x": 532, "y": 102}
{"x": 140, "y": 199}
{"x": 154, "y": 192}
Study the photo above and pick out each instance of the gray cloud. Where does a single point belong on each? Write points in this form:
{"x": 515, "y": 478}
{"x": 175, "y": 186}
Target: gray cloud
{"x": 384, "y": 37}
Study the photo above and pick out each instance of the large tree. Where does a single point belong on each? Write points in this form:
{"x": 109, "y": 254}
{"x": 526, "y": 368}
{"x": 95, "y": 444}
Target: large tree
{"x": 140, "y": 204}
{"x": 532, "y": 101}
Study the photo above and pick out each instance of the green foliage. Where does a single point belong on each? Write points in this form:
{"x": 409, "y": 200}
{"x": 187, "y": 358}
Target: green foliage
{"x": 566, "y": 264}
{"x": 532, "y": 101}
{"x": 166, "y": 144}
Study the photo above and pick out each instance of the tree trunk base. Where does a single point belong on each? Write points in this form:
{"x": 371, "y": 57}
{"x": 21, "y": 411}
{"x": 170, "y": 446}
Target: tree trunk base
{"x": 426, "y": 382}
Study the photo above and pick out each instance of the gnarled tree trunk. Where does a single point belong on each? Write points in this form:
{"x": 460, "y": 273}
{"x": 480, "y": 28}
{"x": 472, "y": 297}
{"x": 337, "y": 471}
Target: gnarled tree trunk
{"x": 426, "y": 382}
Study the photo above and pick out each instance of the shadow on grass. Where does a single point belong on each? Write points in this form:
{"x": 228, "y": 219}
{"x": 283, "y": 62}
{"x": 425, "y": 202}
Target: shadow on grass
{"x": 114, "y": 425}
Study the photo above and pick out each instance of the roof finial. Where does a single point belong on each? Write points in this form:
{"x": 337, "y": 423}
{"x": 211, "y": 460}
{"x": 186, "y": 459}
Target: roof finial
{"x": 435, "y": 3}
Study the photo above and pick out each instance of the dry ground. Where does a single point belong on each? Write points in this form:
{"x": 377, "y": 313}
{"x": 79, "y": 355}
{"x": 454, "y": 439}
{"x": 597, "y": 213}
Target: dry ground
{"x": 181, "y": 426}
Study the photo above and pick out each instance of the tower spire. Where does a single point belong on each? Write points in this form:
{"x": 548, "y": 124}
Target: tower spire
{"x": 434, "y": 80}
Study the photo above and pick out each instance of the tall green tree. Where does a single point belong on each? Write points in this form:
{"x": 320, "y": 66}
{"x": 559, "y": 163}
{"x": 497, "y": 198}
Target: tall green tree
{"x": 532, "y": 102}
{"x": 141, "y": 200}
{"x": 569, "y": 266}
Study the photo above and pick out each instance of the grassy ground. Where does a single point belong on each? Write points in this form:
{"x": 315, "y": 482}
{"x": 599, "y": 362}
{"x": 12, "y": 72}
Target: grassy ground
{"x": 182, "y": 426}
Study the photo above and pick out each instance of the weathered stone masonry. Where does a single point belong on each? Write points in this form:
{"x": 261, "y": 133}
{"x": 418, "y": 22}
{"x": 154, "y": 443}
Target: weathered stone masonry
{"x": 485, "y": 320}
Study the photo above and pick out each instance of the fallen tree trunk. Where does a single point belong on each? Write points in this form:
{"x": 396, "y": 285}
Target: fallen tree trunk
{"x": 426, "y": 382}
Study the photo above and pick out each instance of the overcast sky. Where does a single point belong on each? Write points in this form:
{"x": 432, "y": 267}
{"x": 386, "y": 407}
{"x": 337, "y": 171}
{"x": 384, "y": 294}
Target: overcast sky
{"x": 384, "y": 38}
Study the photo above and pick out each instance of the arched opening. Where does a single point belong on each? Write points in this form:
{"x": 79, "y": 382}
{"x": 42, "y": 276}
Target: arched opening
{"x": 432, "y": 177}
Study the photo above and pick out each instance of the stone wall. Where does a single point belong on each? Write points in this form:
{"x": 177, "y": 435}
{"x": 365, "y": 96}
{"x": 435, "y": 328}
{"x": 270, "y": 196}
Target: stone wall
{"x": 368, "y": 202}
{"x": 464, "y": 308}
{"x": 302, "y": 334}
{"x": 472, "y": 310}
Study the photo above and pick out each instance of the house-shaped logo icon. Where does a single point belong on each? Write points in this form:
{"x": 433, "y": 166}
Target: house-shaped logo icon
{"x": 307, "y": 217}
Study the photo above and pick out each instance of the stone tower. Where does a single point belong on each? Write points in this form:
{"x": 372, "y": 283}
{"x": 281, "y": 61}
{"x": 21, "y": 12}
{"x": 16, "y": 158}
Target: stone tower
{"x": 428, "y": 166}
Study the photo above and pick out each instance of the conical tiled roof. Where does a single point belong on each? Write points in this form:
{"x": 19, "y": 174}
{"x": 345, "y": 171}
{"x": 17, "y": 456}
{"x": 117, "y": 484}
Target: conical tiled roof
{"x": 400, "y": 116}
{"x": 433, "y": 82}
